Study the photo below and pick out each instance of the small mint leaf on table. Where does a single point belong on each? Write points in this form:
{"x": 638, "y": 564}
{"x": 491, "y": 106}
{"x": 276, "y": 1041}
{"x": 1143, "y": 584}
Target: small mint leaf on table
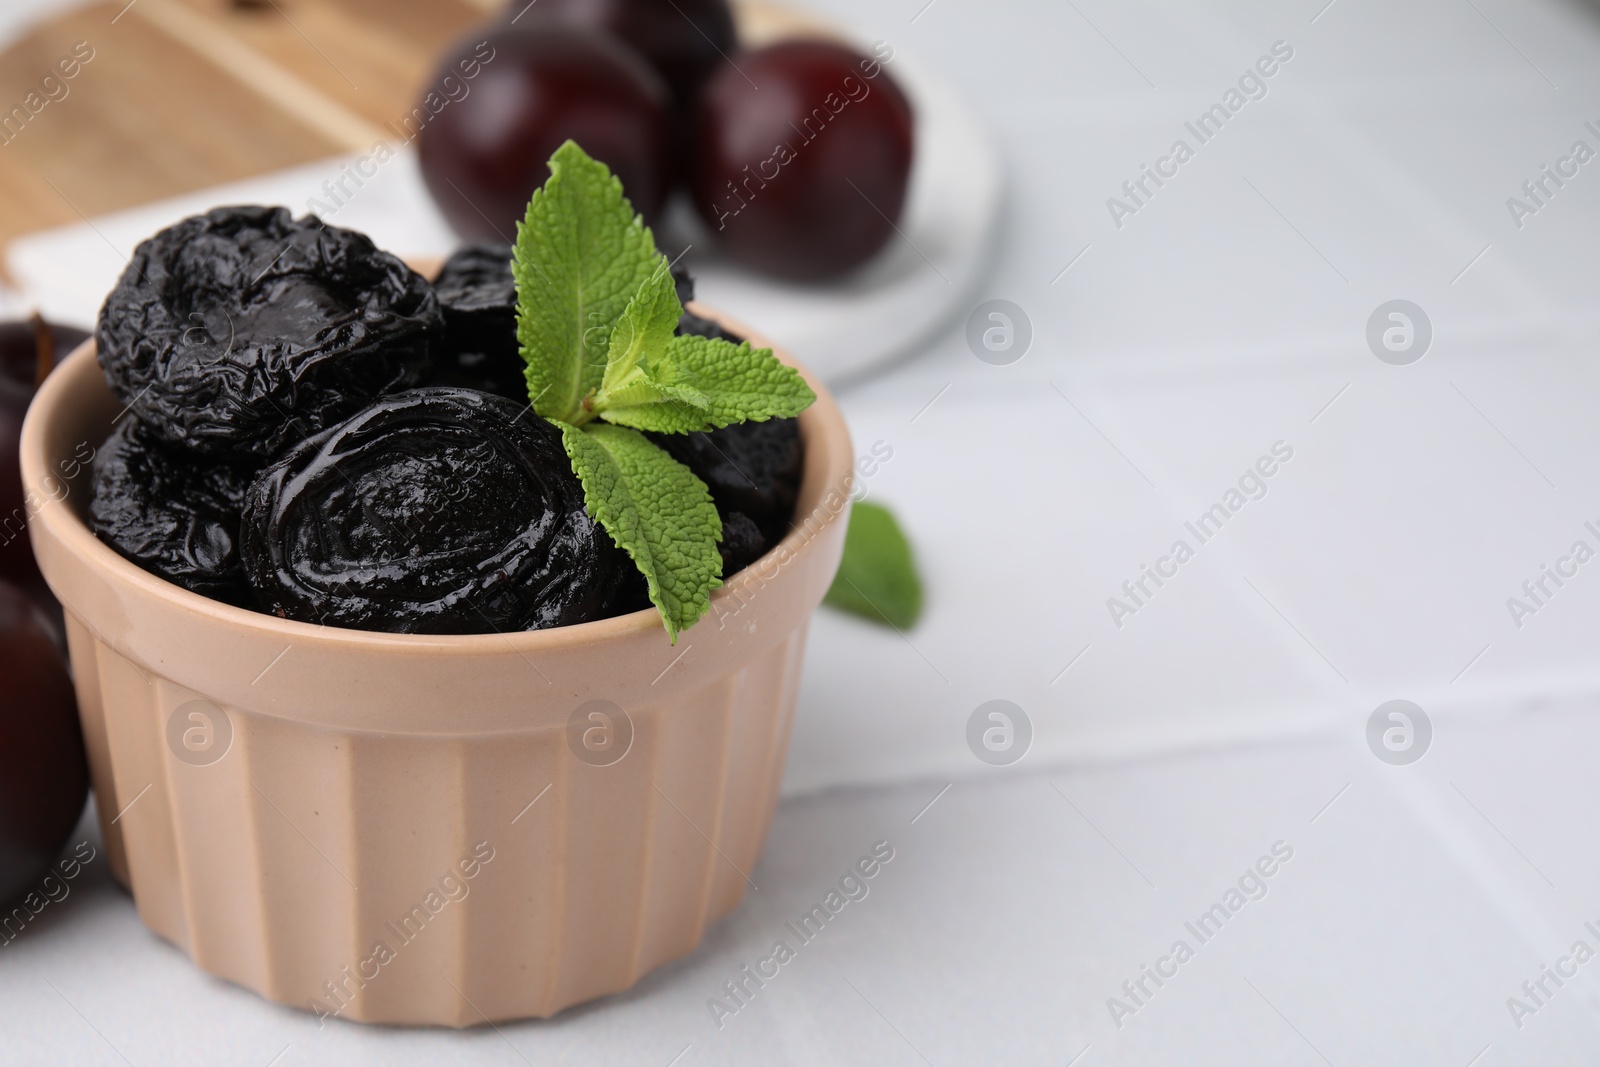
{"x": 877, "y": 577}
{"x": 580, "y": 257}
{"x": 657, "y": 511}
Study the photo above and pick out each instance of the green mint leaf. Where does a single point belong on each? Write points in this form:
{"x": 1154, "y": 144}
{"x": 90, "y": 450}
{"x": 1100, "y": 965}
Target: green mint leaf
{"x": 655, "y": 404}
{"x": 581, "y": 256}
{"x": 739, "y": 383}
{"x": 663, "y": 409}
{"x": 643, "y": 330}
{"x": 877, "y": 578}
{"x": 657, "y": 511}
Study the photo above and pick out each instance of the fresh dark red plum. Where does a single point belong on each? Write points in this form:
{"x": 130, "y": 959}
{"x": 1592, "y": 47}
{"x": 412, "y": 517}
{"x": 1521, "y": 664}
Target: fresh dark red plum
{"x": 28, "y": 351}
{"x": 804, "y": 177}
{"x": 44, "y": 779}
{"x": 484, "y": 155}
{"x": 684, "y": 40}
{"x": 24, "y": 341}
{"x": 16, "y": 555}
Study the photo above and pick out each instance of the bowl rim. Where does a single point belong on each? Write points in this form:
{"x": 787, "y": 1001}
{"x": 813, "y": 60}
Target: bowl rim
{"x": 824, "y": 435}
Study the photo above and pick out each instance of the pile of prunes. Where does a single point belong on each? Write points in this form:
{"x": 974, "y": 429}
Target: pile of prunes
{"x": 315, "y": 431}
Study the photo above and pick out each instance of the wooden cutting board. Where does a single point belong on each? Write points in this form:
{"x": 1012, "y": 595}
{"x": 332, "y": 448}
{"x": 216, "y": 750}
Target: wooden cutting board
{"x": 178, "y": 95}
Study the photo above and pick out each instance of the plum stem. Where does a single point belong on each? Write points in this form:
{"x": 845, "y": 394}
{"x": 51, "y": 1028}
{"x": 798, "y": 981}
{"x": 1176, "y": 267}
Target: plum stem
{"x": 44, "y": 347}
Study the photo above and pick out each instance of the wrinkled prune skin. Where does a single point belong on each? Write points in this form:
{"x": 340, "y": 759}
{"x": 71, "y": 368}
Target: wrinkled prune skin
{"x": 244, "y": 330}
{"x": 742, "y": 542}
{"x": 172, "y": 512}
{"x": 751, "y": 468}
{"x": 437, "y": 510}
{"x": 478, "y": 296}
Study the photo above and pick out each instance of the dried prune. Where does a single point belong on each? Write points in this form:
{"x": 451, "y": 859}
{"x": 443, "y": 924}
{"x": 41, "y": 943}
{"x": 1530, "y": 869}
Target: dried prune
{"x": 437, "y": 510}
{"x": 245, "y": 330}
{"x": 751, "y": 468}
{"x": 479, "y": 299}
{"x": 683, "y": 282}
{"x": 690, "y": 323}
{"x": 742, "y": 542}
{"x": 171, "y": 511}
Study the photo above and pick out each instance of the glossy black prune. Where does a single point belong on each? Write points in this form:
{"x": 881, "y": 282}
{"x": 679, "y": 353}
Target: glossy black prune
{"x": 244, "y": 330}
{"x": 751, "y": 468}
{"x": 437, "y": 510}
{"x": 478, "y": 296}
{"x": 173, "y": 512}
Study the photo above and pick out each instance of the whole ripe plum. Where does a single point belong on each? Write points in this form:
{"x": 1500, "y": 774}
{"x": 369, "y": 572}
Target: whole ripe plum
{"x": 802, "y": 159}
{"x": 685, "y": 41}
{"x": 484, "y": 155}
{"x": 44, "y": 778}
{"x": 435, "y": 511}
{"x": 16, "y": 555}
{"x": 243, "y": 330}
{"x": 29, "y": 350}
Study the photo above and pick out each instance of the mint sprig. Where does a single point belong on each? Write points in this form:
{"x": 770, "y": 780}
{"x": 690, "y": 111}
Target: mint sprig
{"x": 597, "y": 312}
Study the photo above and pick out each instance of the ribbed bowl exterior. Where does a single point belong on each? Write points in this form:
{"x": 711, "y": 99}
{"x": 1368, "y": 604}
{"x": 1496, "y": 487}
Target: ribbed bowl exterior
{"x": 412, "y": 830}
{"x": 285, "y": 864}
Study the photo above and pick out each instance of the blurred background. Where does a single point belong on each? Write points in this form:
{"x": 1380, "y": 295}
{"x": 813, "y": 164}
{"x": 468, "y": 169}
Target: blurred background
{"x": 1339, "y": 346}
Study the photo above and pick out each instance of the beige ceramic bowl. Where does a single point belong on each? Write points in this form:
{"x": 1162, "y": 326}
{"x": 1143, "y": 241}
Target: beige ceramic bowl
{"x": 401, "y": 828}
